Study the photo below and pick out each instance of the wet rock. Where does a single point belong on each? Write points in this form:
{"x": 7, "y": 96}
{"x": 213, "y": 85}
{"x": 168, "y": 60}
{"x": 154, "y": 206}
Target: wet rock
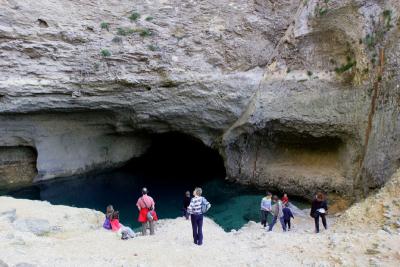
{"x": 36, "y": 226}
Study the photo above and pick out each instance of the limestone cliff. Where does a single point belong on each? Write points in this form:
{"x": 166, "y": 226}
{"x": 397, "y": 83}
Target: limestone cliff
{"x": 296, "y": 95}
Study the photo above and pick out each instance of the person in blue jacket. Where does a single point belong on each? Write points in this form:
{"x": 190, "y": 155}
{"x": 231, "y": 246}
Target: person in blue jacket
{"x": 287, "y": 215}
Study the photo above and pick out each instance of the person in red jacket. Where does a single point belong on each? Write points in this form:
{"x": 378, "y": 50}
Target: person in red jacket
{"x": 285, "y": 199}
{"x": 123, "y": 231}
{"x": 146, "y": 205}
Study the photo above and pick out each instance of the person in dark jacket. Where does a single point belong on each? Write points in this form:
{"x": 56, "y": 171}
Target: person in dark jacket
{"x": 319, "y": 208}
{"x": 287, "y": 214}
{"x": 186, "y": 203}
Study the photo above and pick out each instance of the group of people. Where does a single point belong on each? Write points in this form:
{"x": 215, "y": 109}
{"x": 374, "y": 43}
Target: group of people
{"x": 195, "y": 207}
{"x": 272, "y": 210}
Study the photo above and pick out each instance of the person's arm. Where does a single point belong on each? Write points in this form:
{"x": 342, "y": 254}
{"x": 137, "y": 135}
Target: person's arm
{"x": 312, "y": 211}
{"x": 137, "y": 205}
{"x": 190, "y": 207}
{"x": 291, "y": 214}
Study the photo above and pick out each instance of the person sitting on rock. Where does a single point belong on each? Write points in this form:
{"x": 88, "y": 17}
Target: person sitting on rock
{"x": 147, "y": 215}
{"x": 123, "y": 231}
{"x": 319, "y": 208}
{"x": 107, "y": 221}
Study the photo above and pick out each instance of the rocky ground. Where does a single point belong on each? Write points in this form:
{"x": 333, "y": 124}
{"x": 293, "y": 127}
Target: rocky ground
{"x": 37, "y": 233}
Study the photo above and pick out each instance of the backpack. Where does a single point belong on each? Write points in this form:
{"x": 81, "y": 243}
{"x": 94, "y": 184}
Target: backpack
{"x": 149, "y": 214}
{"x": 205, "y": 205}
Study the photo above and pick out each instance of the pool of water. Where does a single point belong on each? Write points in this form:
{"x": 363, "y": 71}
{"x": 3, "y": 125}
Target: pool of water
{"x": 233, "y": 205}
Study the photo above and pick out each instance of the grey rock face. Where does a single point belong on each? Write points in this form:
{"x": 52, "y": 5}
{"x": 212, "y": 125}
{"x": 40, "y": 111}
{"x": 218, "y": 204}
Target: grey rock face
{"x": 36, "y": 226}
{"x": 292, "y": 93}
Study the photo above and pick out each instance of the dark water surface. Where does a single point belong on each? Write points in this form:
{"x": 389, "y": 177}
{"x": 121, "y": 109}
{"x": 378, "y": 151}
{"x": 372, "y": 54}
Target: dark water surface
{"x": 172, "y": 165}
{"x": 232, "y": 205}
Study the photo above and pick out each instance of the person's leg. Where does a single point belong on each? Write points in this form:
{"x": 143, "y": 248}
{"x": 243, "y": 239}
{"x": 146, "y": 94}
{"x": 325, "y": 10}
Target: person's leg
{"x": 144, "y": 228}
{"x": 316, "y": 220}
{"x": 288, "y": 223}
{"x": 200, "y": 230}
{"x": 194, "y": 227}
{"x": 282, "y": 221}
{"x": 324, "y": 221}
{"x": 151, "y": 227}
{"x": 271, "y": 225}
{"x": 263, "y": 218}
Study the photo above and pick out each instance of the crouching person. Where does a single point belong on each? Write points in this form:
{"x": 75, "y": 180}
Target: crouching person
{"x": 123, "y": 231}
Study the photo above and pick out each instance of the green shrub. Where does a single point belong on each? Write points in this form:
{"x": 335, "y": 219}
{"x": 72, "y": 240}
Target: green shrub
{"x": 387, "y": 18}
{"x": 145, "y": 32}
{"x": 322, "y": 11}
{"x": 345, "y": 67}
{"x": 124, "y": 31}
{"x": 105, "y": 25}
{"x": 134, "y": 16}
{"x": 149, "y": 18}
{"x": 121, "y": 31}
{"x": 309, "y": 73}
{"x": 105, "y": 53}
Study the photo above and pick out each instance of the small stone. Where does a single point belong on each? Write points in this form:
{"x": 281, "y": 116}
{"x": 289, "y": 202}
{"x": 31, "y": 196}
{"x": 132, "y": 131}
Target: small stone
{"x": 387, "y": 229}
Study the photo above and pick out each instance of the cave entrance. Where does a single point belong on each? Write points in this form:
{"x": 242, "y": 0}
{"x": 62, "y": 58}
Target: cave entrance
{"x": 176, "y": 158}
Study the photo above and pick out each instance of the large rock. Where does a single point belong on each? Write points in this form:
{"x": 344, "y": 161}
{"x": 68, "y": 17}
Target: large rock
{"x": 292, "y": 93}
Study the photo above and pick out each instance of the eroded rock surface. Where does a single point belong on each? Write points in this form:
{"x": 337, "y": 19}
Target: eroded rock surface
{"x": 296, "y": 95}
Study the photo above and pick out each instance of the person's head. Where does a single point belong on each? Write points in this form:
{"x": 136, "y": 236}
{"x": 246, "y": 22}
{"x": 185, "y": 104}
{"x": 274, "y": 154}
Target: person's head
{"x": 269, "y": 194}
{"x": 115, "y": 215}
{"x": 144, "y": 191}
{"x": 320, "y": 196}
{"x": 109, "y": 209}
{"x": 187, "y": 193}
{"x": 197, "y": 192}
{"x": 275, "y": 198}
{"x": 285, "y": 195}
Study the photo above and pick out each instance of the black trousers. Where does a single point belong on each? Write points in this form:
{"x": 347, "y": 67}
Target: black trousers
{"x": 287, "y": 223}
{"x": 316, "y": 219}
{"x": 264, "y": 215}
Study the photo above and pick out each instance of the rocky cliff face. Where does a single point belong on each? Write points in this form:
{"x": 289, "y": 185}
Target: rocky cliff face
{"x": 296, "y": 95}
